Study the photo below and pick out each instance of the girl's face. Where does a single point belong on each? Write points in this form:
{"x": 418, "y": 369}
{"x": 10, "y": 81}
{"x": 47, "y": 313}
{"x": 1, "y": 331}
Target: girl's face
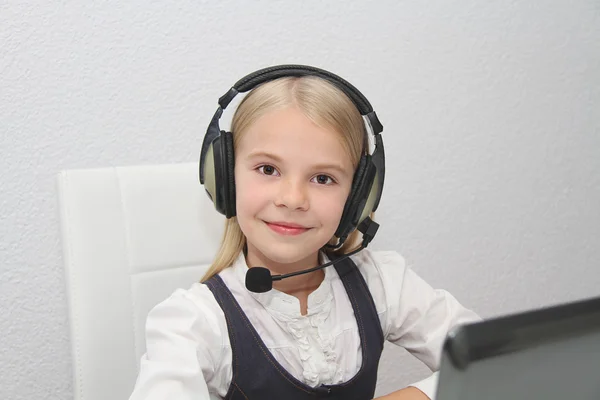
{"x": 292, "y": 179}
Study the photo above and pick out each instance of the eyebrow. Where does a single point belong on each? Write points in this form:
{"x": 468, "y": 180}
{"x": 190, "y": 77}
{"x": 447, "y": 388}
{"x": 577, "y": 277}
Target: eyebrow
{"x": 258, "y": 154}
{"x": 276, "y": 158}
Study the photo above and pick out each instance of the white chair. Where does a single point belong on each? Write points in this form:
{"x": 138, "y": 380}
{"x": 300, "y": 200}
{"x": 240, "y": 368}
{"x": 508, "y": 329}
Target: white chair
{"x": 131, "y": 236}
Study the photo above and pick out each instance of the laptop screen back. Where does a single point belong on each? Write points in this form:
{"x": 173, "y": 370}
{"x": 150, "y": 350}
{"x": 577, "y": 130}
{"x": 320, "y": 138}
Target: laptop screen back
{"x": 546, "y": 354}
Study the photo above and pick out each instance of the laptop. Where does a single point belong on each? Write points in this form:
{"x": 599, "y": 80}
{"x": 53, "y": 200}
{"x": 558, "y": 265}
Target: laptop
{"x": 550, "y": 353}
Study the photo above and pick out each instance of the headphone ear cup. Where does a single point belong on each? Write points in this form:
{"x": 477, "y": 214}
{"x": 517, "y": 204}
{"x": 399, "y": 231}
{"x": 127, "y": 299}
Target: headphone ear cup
{"x": 215, "y": 188}
{"x": 209, "y": 170}
{"x": 217, "y": 172}
{"x": 355, "y": 205}
{"x": 228, "y": 173}
{"x": 209, "y": 156}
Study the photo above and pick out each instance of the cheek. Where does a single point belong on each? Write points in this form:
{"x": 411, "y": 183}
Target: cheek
{"x": 330, "y": 208}
{"x": 246, "y": 203}
{"x": 250, "y": 194}
{"x": 245, "y": 192}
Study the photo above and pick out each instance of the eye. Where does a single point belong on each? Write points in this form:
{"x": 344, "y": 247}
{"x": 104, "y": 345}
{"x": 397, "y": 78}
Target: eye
{"x": 324, "y": 179}
{"x": 268, "y": 170}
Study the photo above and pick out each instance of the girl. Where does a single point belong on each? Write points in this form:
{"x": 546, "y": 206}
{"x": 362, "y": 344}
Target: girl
{"x": 297, "y": 183}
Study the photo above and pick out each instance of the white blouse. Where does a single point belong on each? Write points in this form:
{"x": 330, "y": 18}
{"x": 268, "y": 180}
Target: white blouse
{"x": 188, "y": 354}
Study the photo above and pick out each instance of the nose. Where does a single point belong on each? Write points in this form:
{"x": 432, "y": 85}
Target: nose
{"x": 293, "y": 195}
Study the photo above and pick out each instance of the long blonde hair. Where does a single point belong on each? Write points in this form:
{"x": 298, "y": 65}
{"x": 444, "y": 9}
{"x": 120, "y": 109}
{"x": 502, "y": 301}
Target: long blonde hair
{"x": 325, "y": 105}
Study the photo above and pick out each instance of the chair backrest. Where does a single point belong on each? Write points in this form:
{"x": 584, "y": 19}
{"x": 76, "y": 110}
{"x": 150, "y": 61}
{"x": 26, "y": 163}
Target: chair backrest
{"x": 130, "y": 236}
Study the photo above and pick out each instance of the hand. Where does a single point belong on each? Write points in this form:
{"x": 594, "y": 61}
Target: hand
{"x": 409, "y": 393}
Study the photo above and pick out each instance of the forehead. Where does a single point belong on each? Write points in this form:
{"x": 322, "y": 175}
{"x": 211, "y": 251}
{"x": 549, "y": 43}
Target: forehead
{"x": 292, "y": 136}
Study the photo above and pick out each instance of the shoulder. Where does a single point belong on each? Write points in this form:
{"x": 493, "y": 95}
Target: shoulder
{"x": 381, "y": 260}
{"x": 380, "y": 268}
{"x": 189, "y": 317}
{"x": 196, "y": 302}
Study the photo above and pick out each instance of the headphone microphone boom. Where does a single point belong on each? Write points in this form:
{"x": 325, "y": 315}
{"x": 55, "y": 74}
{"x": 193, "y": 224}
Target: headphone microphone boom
{"x": 260, "y": 280}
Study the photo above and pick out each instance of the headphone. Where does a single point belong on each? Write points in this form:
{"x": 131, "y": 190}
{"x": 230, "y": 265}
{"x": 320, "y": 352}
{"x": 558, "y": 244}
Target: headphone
{"x": 217, "y": 158}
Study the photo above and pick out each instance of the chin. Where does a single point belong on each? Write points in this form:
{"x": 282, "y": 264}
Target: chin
{"x": 286, "y": 254}
{"x": 285, "y": 249}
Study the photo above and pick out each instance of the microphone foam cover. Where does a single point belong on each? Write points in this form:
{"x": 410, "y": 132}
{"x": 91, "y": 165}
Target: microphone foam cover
{"x": 258, "y": 280}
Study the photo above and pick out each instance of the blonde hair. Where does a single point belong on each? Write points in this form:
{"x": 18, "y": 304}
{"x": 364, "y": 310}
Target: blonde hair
{"x": 325, "y": 105}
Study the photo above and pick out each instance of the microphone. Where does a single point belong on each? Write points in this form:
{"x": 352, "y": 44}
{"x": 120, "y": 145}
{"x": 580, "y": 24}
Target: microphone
{"x": 260, "y": 280}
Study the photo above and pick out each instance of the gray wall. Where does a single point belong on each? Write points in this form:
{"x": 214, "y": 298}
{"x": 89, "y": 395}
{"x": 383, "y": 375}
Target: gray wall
{"x": 492, "y": 131}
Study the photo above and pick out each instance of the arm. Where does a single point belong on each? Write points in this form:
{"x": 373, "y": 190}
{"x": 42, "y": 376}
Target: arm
{"x": 414, "y": 315}
{"x": 182, "y": 342}
{"x": 422, "y": 318}
{"x": 409, "y": 393}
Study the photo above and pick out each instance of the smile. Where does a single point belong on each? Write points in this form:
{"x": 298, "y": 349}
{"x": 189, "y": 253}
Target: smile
{"x": 286, "y": 230}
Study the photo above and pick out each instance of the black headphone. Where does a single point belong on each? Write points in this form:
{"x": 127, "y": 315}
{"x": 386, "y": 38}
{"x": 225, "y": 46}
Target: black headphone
{"x": 217, "y": 158}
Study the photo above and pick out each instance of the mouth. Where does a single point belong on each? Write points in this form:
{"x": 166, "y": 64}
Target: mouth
{"x": 287, "y": 228}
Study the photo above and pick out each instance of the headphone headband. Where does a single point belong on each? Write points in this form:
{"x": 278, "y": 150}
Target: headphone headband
{"x": 256, "y": 78}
